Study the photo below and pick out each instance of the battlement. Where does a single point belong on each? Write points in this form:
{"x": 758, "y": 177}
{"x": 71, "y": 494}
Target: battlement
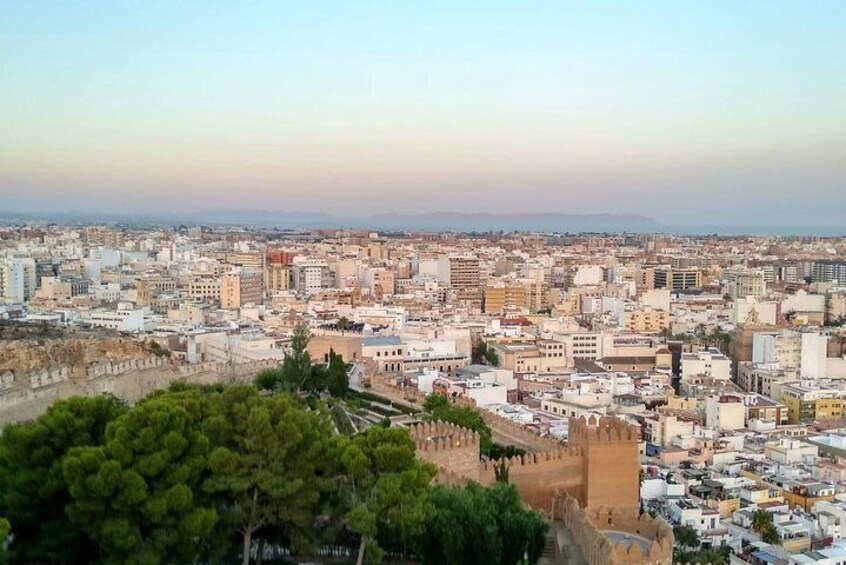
{"x": 527, "y": 436}
{"x": 591, "y": 430}
{"x": 533, "y": 459}
{"x": 26, "y": 395}
{"x": 452, "y": 449}
{"x": 658, "y": 533}
{"x": 439, "y": 436}
{"x": 615, "y": 536}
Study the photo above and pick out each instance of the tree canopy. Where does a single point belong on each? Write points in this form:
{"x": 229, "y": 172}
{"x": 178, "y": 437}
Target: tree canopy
{"x": 439, "y": 407}
{"x": 496, "y": 528}
{"x": 482, "y": 353}
{"x": 385, "y": 488}
{"x": 298, "y": 374}
{"x": 268, "y": 467}
{"x": 33, "y": 491}
{"x": 138, "y": 495}
{"x": 216, "y": 474}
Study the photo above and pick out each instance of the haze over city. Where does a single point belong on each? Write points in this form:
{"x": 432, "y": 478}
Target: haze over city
{"x": 713, "y": 113}
{"x": 433, "y": 283}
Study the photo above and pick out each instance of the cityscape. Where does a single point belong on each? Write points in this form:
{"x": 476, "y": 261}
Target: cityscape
{"x": 430, "y": 283}
{"x": 682, "y": 397}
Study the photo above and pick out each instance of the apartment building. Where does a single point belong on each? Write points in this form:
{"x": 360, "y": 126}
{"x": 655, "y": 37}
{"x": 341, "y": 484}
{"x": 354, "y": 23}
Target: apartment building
{"x": 310, "y": 275}
{"x": 504, "y": 297}
{"x": 807, "y": 402}
{"x": 277, "y": 276}
{"x": 673, "y": 279}
{"x": 204, "y": 287}
{"x": 148, "y": 288}
{"x": 239, "y": 287}
{"x": 705, "y": 364}
{"x": 827, "y": 271}
{"x": 647, "y": 321}
{"x": 744, "y": 283}
{"x": 783, "y": 348}
{"x": 17, "y": 279}
{"x": 462, "y": 274}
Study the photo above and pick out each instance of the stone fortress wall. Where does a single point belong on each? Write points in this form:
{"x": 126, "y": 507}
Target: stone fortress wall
{"x": 590, "y": 483}
{"x": 599, "y": 466}
{"x": 650, "y": 540}
{"x": 26, "y": 396}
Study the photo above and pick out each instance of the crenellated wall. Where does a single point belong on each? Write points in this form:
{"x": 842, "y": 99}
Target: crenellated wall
{"x": 611, "y": 465}
{"x": 451, "y": 448}
{"x": 538, "y": 476}
{"x": 28, "y": 397}
{"x": 599, "y": 466}
{"x": 526, "y": 436}
{"x": 588, "y": 527}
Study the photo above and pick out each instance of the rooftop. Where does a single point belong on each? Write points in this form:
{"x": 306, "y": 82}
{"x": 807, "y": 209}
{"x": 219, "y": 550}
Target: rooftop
{"x": 379, "y": 341}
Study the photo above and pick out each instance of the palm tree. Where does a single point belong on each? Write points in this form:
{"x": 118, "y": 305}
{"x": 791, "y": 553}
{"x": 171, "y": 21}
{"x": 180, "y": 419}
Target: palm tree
{"x": 686, "y": 536}
{"x": 770, "y": 535}
{"x": 713, "y": 556}
{"x": 761, "y": 520}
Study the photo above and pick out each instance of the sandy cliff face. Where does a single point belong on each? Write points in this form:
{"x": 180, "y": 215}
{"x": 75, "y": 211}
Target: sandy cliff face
{"x": 25, "y": 355}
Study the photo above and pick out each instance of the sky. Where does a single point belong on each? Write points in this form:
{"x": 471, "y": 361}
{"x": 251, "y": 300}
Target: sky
{"x": 717, "y": 112}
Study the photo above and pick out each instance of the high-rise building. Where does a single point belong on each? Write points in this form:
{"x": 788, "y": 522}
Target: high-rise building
{"x": 827, "y": 271}
{"x": 280, "y": 257}
{"x": 277, "y": 277}
{"x": 813, "y": 360}
{"x": 240, "y": 287}
{"x": 461, "y": 273}
{"x": 674, "y": 279}
{"x": 204, "y": 287}
{"x": 148, "y": 288}
{"x": 311, "y": 275}
{"x": 782, "y": 347}
{"x": 380, "y": 281}
{"x": 18, "y": 279}
{"x": 743, "y": 283}
{"x": 503, "y": 297}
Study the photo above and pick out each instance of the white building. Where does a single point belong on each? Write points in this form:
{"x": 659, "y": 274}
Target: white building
{"x": 742, "y": 283}
{"x": 782, "y": 348}
{"x": 710, "y": 363}
{"x": 725, "y": 413}
{"x": 126, "y": 318}
{"x": 489, "y": 374}
{"x": 804, "y": 302}
{"x": 578, "y": 405}
{"x": 814, "y": 352}
{"x": 310, "y": 276}
{"x": 17, "y": 279}
{"x": 658, "y": 298}
{"x": 484, "y": 393}
{"x": 766, "y": 312}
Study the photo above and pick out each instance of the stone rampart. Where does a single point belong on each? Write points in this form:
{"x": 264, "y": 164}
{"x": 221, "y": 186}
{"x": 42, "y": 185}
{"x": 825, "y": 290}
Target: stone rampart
{"x": 539, "y": 476}
{"x": 639, "y": 539}
{"x": 599, "y": 466}
{"x": 526, "y": 436}
{"x": 28, "y": 397}
{"x": 611, "y": 462}
{"x": 450, "y": 448}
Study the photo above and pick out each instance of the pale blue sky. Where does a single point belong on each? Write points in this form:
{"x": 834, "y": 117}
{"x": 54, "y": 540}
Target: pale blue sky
{"x": 714, "y": 112}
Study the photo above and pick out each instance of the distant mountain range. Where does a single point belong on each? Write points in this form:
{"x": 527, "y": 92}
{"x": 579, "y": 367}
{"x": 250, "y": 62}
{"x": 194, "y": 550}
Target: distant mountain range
{"x": 442, "y": 221}
{"x": 435, "y": 221}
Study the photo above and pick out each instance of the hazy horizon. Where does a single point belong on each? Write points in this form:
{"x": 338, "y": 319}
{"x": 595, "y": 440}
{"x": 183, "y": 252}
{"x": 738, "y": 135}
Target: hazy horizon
{"x": 717, "y": 113}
